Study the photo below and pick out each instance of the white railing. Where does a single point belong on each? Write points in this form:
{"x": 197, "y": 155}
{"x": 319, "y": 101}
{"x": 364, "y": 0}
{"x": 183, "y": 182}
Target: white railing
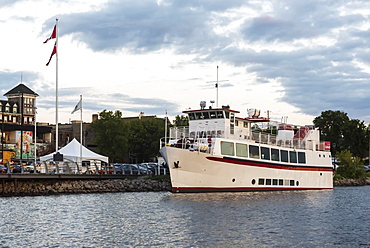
{"x": 178, "y": 133}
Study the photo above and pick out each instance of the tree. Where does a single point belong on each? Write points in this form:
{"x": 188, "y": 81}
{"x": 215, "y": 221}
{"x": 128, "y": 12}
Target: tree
{"x": 350, "y": 167}
{"x": 355, "y": 138}
{"x": 343, "y": 133}
{"x": 181, "y": 120}
{"x": 331, "y": 125}
{"x": 111, "y": 135}
{"x": 144, "y": 136}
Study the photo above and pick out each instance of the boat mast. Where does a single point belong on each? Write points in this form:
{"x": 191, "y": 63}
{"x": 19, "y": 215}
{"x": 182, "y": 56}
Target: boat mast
{"x": 216, "y": 85}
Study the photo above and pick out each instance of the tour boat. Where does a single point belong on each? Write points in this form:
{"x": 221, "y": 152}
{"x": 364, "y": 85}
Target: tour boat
{"x": 219, "y": 152}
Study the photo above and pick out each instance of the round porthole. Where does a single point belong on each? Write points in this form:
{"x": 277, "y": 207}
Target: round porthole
{"x": 297, "y": 183}
{"x": 254, "y": 181}
{"x": 233, "y": 180}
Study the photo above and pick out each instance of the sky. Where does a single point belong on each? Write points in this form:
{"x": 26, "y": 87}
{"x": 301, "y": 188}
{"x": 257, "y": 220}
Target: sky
{"x": 287, "y": 58}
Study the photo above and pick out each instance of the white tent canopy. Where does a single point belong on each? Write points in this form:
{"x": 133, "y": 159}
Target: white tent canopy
{"x": 71, "y": 152}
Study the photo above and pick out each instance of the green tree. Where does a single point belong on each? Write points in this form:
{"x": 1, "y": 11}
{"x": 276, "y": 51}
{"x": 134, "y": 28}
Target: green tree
{"x": 111, "y": 135}
{"x": 181, "y": 121}
{"x": 331, "y": 125}
{"x": 144, "y": 136}
{"x": 350, "y": 167}
{"x": 355, "y": 138}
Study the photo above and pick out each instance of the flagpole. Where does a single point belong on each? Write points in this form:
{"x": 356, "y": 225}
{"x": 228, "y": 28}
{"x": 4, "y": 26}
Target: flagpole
{"x": 81, "y": 130}
{"x": 56, "y": 92}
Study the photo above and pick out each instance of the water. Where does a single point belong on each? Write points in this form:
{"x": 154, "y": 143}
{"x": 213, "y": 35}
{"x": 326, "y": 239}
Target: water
{"x": 333, "y": 218}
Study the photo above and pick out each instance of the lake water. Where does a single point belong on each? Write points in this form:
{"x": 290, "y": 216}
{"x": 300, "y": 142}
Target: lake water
{"x": 332, "y": 218}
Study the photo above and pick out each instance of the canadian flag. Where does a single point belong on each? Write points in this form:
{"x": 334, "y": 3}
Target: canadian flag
{"x": 52, "y": 53}
{"x": 53, "y": 34}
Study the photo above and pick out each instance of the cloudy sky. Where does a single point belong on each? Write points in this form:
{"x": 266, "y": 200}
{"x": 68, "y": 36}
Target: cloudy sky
{"x": 292, "y": 58}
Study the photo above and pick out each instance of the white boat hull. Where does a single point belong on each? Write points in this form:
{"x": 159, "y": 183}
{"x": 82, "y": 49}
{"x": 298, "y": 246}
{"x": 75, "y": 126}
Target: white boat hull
{"x": 194, "y": 171}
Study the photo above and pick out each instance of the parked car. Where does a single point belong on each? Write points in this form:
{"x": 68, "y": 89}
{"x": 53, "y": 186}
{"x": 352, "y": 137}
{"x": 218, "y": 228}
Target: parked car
{"x": 17, "y": 169}
{"x": 156, "y": 168}
{"x": 3, "y": 169}
{"x": 106, "y": 170}
{"x": 129, "y": 169}
{"x": 29, "y": 169}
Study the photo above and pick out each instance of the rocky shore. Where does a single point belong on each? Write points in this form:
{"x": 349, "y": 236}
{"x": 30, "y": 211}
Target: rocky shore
{"x": 50, "y": 187}
{"x": 352, "y": 182}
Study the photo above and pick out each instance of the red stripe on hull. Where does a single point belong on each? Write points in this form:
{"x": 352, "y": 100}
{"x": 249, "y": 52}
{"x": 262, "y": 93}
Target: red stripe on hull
{"x": 268, "y": 165}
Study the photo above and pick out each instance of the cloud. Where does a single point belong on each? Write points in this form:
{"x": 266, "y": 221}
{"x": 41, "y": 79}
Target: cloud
{"x": 317, "y": 51}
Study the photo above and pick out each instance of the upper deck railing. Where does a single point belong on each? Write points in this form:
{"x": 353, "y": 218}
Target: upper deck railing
{"x": 257, "y": 137}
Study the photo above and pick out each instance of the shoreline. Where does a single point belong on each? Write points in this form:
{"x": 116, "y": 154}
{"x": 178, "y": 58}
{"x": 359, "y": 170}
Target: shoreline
{"x": 56, "y": 187}
{"x": 343, "y": 182}
{"x": 59, "y": 187}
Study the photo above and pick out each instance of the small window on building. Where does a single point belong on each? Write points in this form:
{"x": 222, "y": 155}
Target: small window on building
{"x": 254, "y": 152}
{"x": 241, "y": 150}
{"x": 275, "y": 155}
{"x": 265, "y": 153}
{"x": 227, "y": 148}
{"x": 301, "y": 157}
{"x": 261, "y": 181}
{"x": 284, "y": 156}
{"x": 293, "y": 156}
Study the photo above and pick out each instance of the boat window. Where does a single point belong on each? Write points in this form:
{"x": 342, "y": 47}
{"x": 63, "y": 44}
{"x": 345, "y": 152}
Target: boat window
{"x": 291, "y": 182}
{"x": 245, "y": 124}
{"x": 274, "y": 182}
{"x": 254, "y": 152}
{"x": 227, "y": 115}
{"x": 268, "y": 181}
{"x": 206, "y": 115}
{"x": 301, "y": 157}
{"x": 236, "y": 123}
{"x": 220, "y": 114}
{"x": 281, "y": 182}
{"x": 241, "y": 150}
{"x": 199, "y": 116}
{"x": 293, "y": 156}
{"x": 191, "y": 116}
{"x": 275, "y": 155}
{"x": 265, "y": 153}
{"x": 261, "y": 181}
{"x": 227, "y": 148}
{"x": 213, "y": 114}
{"x": 284, "y": 156}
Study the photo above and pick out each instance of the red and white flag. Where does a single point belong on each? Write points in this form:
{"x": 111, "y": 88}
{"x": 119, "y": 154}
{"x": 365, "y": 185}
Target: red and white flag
{"x": 52, "y": 53}
{"x": 53, "y": 34}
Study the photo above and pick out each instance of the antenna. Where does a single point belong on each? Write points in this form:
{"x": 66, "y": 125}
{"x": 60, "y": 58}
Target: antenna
{"x": 217, "y": 87}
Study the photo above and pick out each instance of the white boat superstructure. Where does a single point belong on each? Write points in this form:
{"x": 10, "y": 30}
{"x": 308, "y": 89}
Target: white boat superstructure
{"x": 222, "y": 152}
